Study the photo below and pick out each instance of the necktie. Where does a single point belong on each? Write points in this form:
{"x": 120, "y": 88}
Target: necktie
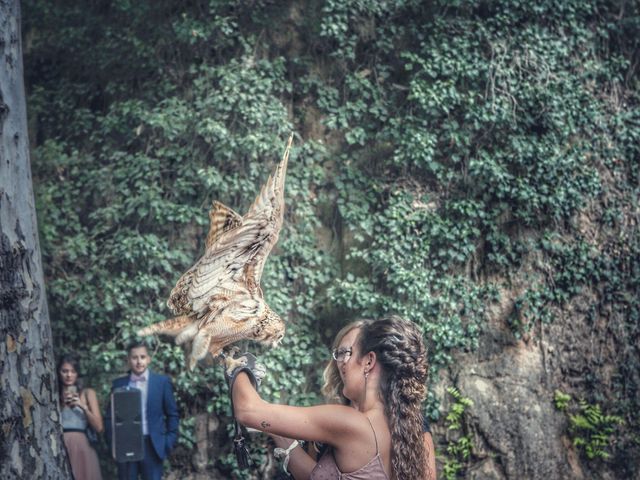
{"x": 137, "y": 378}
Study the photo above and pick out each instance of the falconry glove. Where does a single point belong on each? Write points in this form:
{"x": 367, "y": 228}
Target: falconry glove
{"x": 247, "y": 363}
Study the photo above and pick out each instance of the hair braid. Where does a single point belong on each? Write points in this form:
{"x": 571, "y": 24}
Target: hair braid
{"x": 400, "y": 349}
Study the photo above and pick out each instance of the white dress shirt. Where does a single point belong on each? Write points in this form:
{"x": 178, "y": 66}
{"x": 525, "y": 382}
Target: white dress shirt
{"x": 144, "y": 388}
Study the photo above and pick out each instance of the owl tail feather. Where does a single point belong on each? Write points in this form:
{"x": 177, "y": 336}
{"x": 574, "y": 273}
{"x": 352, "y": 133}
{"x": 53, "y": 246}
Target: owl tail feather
{"x": 172, "y": 326}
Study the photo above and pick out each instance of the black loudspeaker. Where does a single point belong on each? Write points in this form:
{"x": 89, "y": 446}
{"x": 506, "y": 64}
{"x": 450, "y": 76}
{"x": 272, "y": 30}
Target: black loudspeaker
{"x": 126, "y": 424}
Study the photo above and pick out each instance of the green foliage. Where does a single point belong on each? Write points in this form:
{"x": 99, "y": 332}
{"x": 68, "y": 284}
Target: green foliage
{"x": 460, "y": 448}
{"x": 457, "y": 408}
{"x": 561, "y": 400}
{"x": 445, "y": 150}
{"x": 592, "y": 431}
{"x": 127, "y": 214}
{"x": 458, "y": 452}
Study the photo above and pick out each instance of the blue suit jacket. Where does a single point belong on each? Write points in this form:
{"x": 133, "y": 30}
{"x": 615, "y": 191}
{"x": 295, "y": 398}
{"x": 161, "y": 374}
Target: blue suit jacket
{"x": 162, "y": 413}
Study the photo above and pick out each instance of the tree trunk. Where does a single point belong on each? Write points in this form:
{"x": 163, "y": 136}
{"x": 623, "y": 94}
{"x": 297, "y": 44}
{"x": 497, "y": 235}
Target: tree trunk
{"x": 30, "y": 431}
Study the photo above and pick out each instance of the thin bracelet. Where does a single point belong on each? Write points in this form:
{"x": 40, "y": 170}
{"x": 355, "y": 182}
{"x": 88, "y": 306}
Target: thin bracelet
{"x": 280, "y": 453}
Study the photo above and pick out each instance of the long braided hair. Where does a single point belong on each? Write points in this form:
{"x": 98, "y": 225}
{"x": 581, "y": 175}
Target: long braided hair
{"x": 401, "y": 352}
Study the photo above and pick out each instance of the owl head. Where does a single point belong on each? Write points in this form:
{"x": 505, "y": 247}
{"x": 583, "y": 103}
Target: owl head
{"x": 272, "y": 329}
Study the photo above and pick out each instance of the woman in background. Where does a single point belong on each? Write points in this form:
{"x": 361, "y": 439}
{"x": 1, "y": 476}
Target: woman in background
{"x": 79, "y": 410}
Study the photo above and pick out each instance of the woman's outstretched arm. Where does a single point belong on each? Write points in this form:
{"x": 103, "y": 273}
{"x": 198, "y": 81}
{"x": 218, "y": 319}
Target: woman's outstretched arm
{"x": 333, "y": 424}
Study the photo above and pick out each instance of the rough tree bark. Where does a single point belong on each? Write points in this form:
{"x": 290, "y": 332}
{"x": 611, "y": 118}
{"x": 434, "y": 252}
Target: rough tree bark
{"x": 30, "y": 432}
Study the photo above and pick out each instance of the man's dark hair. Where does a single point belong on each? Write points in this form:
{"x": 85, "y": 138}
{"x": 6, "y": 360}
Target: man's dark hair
{"x": 136, "y": 344}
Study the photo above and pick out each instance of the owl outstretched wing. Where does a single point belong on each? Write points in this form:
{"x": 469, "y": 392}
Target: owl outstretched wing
{"x": 222, "y": 219}
{"x": 236, "y": 248}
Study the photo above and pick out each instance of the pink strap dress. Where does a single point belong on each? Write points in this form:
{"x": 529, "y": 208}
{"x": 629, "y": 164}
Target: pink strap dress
{"x": 327, "y": 469}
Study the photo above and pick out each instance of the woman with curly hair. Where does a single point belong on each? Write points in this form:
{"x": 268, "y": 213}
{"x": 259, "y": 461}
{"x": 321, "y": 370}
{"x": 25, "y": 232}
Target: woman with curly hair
{"x": 383, "y": 369}
{"x": 332, "y": 391}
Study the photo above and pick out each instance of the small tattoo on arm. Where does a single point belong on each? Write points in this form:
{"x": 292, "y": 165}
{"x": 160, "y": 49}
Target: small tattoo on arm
{"x": 265, "y": 424}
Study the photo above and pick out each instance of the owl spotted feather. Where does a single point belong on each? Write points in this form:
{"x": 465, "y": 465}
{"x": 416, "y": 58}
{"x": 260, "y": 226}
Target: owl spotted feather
{"x": 218, "y": 301}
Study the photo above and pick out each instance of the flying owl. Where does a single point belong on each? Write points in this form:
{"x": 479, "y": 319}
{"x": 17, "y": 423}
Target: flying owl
{"x": 218, "y": 301}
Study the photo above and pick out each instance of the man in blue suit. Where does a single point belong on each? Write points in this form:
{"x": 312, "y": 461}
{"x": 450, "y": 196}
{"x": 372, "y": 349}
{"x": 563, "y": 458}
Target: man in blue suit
{"x": 159, "y": 415}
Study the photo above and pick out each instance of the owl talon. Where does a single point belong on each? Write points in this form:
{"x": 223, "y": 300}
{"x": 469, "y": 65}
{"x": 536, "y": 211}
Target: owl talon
{"x": 246, "y": 362}
{"x": 192, "y": 364}
{"x": 233, "y": 363}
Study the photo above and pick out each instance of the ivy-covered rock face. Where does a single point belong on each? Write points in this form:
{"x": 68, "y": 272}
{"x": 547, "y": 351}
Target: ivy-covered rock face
{"x": 472, "y": 166}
